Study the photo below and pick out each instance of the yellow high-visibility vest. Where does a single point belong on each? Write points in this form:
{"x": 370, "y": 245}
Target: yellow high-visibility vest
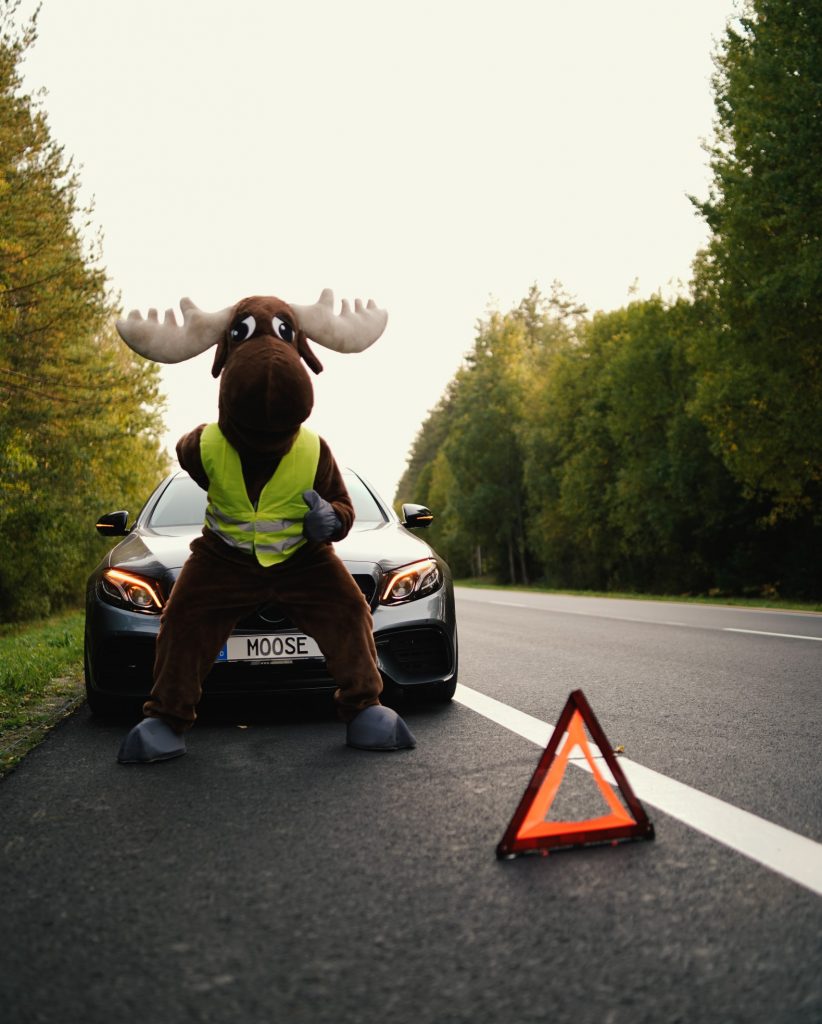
{"x": 273, "y": 530}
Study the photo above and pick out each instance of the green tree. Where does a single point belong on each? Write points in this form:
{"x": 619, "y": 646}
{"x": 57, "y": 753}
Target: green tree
{"x": 568, "y": 465}
{"x": 484, "y": 446}
{"x": 758, "y": 284}
{"x": 466, "y": 462}
{"x": 415, "y": 482}
{"x": 79, "y": 419}
{"x": 624, "y": 490}
{"x": 671, "y": 500}
{"x": 483, "y": 452}
{"x": 428, "y": 480}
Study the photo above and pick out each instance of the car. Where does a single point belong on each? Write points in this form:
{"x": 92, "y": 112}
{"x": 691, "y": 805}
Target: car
{"x": 405, "y": 582}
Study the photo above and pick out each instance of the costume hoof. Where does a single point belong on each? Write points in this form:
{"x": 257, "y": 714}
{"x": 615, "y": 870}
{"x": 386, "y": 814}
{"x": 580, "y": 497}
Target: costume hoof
{"x": 151, "y": 740}
{"x": 379, "y": 728}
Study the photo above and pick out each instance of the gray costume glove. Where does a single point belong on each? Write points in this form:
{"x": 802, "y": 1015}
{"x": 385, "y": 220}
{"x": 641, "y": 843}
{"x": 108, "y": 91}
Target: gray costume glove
{"x": 321, "y": 522}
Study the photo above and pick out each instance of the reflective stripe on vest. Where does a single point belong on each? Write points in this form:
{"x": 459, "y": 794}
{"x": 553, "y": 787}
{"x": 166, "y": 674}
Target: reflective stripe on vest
{"x": 272, "y": 531}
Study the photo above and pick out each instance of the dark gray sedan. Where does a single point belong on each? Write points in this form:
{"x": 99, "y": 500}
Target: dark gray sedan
{"x": 407, "y": 585}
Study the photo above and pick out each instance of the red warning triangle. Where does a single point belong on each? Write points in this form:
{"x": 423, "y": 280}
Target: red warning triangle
{"x": 529, "y": 829}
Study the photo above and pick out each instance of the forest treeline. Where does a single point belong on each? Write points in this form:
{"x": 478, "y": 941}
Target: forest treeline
{"x": 675, "y": 445}
{"x": 79, "y": 414}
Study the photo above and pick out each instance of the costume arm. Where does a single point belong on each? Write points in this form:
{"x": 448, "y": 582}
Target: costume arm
{"x": 188, "y": 455}
{"x": 328, "y": 483}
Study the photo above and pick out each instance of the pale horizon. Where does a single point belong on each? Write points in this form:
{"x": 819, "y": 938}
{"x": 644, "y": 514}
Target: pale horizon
{"x": 440, "y": 162}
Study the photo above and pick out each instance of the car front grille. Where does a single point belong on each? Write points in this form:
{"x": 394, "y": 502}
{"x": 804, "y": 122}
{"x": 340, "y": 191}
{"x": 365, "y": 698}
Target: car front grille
{"x": 368, "y": 586}
{"x": 271, "y": 617}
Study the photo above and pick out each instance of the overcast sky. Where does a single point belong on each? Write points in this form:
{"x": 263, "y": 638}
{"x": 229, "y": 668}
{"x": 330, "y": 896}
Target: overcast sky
{"x": 438, "y": 157}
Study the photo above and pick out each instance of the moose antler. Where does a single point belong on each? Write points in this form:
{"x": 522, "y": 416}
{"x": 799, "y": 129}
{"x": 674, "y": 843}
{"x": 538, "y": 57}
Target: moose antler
{"x": 169, "y": 342}
{"x": 349, "y": 331}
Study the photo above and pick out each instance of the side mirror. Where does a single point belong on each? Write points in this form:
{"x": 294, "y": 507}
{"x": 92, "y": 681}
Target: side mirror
{"x": 115, "y": 524}
{"x": 416, "y": 516}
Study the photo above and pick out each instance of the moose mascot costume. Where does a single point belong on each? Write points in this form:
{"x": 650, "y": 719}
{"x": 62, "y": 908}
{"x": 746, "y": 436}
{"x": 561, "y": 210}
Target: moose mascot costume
{"x": 276, "y": 501}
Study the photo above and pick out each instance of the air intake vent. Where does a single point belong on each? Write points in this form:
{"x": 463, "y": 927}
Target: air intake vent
{"x": 415, "y": 655}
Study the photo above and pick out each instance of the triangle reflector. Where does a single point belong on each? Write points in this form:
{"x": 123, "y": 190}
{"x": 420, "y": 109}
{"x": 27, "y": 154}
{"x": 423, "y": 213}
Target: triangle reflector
{"x": 530, "y": 830}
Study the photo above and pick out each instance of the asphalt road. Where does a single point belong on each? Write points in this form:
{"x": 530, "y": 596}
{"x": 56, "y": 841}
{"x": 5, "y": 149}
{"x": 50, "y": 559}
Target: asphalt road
{"x": 275, "y": 875}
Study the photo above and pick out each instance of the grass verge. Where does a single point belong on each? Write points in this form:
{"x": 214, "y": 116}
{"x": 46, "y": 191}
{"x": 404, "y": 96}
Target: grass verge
{"x": 41, "y": 681}
{"x": 776, "y": 603}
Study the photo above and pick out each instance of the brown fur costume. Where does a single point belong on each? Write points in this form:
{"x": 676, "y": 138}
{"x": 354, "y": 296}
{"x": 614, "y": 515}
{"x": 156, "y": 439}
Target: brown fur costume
{"x": 265, "y": 395}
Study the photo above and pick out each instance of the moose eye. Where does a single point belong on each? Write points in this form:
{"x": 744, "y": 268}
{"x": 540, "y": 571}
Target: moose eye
{"x": 282, "y": 329}
{"x": 243, "y": 328}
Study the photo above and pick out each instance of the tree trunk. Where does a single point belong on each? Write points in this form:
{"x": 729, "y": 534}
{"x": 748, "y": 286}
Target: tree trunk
{"x": 521, "y": 542}
{"x": 522, "y": 567}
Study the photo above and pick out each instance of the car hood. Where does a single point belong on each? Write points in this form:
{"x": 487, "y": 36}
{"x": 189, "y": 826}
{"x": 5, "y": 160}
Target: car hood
{"x": 155, "y": 551}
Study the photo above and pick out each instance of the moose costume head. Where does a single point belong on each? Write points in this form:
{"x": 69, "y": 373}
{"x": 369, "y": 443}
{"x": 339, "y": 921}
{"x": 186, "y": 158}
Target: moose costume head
{"x": 262, "y": 343}
{"x": 276, "y": 502}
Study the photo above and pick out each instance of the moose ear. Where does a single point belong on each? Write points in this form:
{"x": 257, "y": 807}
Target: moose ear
{"x": 310, "y": 360}
{"x": 220, "y": 356}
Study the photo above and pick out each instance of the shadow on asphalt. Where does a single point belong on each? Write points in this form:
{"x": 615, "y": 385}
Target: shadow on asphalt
{"x": 278, "y": 709}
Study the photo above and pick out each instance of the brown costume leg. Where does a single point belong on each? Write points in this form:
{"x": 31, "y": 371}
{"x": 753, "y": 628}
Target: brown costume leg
{"x": 209, "y": 597}
{"x": 318, "y": 593}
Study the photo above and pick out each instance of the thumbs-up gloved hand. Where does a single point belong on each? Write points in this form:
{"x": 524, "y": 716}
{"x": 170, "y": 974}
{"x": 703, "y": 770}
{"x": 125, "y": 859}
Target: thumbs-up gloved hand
{"x": 321, "y": 521}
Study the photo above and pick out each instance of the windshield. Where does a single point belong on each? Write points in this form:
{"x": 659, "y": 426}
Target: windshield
{"x": 183, "y": 503}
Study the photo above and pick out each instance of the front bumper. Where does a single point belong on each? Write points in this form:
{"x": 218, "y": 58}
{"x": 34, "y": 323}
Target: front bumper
{"x": 416, "y": 646}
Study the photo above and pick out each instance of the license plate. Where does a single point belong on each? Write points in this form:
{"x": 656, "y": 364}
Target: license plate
{"x": 271, "y": 648}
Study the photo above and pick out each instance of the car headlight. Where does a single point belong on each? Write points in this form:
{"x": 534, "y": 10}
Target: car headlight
{"x": 411, "y": 581}
{"x": 135, "y": 592}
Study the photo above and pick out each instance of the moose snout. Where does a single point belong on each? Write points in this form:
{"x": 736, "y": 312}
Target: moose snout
{"x": 264, "y": 385}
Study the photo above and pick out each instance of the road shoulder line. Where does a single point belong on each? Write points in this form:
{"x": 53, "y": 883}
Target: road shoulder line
{"x": 764, "y": 632}
{"x": 650, "y": 622}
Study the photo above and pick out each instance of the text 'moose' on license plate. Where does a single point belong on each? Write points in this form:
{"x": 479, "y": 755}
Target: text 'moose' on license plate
{"x": 272, "y": 647}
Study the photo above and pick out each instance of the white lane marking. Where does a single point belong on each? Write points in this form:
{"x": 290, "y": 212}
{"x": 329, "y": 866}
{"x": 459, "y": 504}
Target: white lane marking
{"x": 522, "y": 724}
{"x": 763, "y": 632}
{"x": 785, "y": 852}
{"x": 590, "y": 615}
{"x": 653, "y": 622}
